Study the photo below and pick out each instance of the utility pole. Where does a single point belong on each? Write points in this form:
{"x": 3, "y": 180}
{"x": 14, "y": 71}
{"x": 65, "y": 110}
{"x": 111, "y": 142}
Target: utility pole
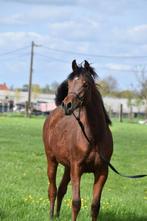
{"x": 28, "y": 104}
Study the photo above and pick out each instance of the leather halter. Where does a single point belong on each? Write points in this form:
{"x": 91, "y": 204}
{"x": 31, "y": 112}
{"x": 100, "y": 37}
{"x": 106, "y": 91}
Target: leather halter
{"x": 77, "y": 95}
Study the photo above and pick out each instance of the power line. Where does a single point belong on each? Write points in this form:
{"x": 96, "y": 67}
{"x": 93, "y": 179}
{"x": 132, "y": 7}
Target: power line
{"x": 51, "y": 58}
{"x": 79, "y": 53}
{"x": 103, "y": 68}
{"x": 13, "y": 51}
{"x": 47, "y": 58}
{"x": 120, "y": 70}
{"x": 96, "y": 55}
{"x": 14, "y": 56}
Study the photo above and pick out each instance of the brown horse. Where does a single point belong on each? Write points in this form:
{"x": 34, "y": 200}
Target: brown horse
{"x": 78, "y": 101}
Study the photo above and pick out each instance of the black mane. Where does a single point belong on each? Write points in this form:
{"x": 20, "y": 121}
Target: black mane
{"x": 61, "y": 93}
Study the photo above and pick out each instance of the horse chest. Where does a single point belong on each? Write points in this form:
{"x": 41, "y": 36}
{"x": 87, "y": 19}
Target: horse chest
{"x": 92, "y": 161}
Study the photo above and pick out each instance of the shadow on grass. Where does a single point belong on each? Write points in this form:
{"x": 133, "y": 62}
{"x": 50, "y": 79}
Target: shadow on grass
{"x": 2, "y": 214}
{"x": 116, "y": 217}
{"x": 105, "y": 217}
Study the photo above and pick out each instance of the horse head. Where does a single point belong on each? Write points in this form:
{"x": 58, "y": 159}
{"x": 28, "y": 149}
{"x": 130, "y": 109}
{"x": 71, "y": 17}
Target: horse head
{"x": 79, "y": 85}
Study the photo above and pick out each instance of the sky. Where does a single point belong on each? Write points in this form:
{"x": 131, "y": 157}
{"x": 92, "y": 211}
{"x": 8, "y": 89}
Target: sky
{"x": 109, "y": 34}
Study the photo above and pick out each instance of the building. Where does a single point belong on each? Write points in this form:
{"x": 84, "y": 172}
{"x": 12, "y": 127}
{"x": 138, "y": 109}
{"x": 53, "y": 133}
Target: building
{"x": 4, "y": 87}
{"x": 46, "y": 102}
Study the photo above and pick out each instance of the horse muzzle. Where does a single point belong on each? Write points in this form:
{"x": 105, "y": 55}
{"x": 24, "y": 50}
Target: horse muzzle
{"x": 69, "y": 107}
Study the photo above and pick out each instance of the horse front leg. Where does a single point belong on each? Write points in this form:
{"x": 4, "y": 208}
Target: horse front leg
{"x": 100, "y": 179}
{"x": 52, "y": 189}
{"x": 76, "y": 199}
{"x": 62, "y": 189}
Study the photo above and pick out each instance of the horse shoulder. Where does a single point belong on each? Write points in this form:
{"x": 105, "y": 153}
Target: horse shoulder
{"x": 50, "y": 124}
{"x": 53, "y": 118}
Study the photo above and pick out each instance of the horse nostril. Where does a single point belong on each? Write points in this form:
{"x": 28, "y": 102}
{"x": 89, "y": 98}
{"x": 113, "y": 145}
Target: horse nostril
{"x": 69, "y": 105}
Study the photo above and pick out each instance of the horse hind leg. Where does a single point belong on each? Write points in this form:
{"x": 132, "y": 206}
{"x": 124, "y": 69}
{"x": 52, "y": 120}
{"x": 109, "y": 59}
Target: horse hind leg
{"x": 52, "y": 189}
{"x": 100, "y": 179}
{"x": 62, "y": 189}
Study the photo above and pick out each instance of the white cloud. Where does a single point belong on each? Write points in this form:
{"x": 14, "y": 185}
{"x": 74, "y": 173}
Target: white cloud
{"x": 11, "y": 20}
{"x": 132, "y": 35}
{"x": 80, "y": 29}
{"x": 118, "y": 67}
{"x": 14, "y": 40}
{"x": 36, "y": 14}
{"x": 140, "y": 28}
{"x": 138, "y": 33}
{"x": 42, "y": 2}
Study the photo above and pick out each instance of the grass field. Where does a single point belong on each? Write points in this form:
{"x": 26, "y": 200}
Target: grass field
{"x": 23, "y": 180}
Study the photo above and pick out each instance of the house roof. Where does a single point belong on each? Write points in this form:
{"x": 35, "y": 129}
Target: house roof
{"x": 4, "y": 87}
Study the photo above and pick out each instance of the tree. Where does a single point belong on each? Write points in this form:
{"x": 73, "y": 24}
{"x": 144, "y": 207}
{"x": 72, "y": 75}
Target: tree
{"x": 54, "y": 86}
{"x": 138, "y": 103}
{"x": 108, "y": 86}
{"x": 17, "y": 94}
{"x": 46, "y": 89}
{"x": 142, "y": 83}
{"x": 126, "y": 94}
{"x": 36, "y": 90}
{"x": 25, "y": 87}
{"x": 12, "y": 88}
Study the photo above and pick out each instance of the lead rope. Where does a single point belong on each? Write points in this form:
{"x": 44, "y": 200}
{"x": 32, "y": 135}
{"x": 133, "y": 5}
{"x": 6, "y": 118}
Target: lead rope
{"x": 82, "y": 128}
{"x": 102, "y": 156}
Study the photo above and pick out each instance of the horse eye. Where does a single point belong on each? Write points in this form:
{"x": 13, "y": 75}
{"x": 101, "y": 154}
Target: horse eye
{"x": 85, "y": 85}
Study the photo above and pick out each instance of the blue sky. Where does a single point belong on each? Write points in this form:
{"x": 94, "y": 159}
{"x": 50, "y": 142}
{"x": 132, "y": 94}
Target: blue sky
{"x": 110, "y": 34}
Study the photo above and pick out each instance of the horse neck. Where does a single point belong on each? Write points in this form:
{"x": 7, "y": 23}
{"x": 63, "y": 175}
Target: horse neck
{"x": 96, "y": 121}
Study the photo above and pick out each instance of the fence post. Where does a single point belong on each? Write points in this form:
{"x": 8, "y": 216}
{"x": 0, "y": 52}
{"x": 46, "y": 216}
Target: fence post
{"x": 3, "y": 107}
{"x": 121, "y": 113}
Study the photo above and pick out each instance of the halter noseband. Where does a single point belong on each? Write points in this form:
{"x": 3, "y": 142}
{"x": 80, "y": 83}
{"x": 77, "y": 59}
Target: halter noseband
{"x": 77, "y": 96}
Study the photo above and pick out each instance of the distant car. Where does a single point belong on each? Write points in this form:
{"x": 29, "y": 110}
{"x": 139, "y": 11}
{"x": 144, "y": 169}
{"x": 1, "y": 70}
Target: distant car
{"x": 38, "y": 112}
{"x": 19, "y": 107}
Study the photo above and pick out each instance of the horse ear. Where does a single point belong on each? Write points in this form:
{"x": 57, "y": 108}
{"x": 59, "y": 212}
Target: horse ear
{"x": 87, "y": 65}
{"x": 74, "y": 65}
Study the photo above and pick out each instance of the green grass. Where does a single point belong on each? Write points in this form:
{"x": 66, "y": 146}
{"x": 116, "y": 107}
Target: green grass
{"x": 23, "y": 179}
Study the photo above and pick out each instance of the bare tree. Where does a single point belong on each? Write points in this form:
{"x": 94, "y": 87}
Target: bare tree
{"x": 108, "y": 85}
{"x": 142, "y": 83}
{"x": 54, "y": 85}
{"x": 36, "y": 90}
